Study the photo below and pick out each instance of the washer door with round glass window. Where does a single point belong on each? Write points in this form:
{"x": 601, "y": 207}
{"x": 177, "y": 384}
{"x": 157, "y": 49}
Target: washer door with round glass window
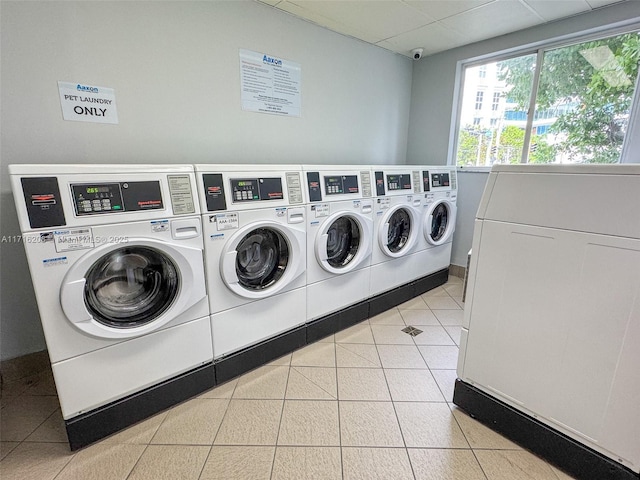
{"x": 344, "y": 242}
{"x": 398, "y": 231}
{"x": 262, "y": 258}
{"x": 127, "y": 290}
{"x": 440, "y": 222}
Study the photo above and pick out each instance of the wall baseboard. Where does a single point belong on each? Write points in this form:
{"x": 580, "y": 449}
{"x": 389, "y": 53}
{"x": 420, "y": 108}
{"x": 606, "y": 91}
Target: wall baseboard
{"x": 457, "y": 271}
{"x": 25, "y": 366}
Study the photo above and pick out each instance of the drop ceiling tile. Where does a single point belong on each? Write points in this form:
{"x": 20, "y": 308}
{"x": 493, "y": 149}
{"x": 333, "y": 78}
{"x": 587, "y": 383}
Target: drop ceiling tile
{"x": 378, "y": 19}
{"x": 435, "y": 25}
{"x": 602, "y": 3}
{"x": 558, "y": 8}
{"x": 273, "y": 3}
{"x": 439, "y": 9}
{"x": 492, "y": 20}
{"x": 434, "y": 37}
{"x": 389, "y": 46}
{"x": 301, "y": 10}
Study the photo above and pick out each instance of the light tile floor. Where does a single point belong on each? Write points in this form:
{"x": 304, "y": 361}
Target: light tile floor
{"x": 368, "y": 402}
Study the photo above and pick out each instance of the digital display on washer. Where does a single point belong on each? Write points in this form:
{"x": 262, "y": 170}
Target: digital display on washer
{"x": 398, "y": 182}
{"x": 99, "y": 198}
{"x": 256, "y": 189}
{"x": 439, "y": 180}
{"x": 341, "y": 184}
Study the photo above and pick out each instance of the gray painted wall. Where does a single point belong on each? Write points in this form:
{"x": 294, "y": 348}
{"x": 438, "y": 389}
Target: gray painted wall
{"x": 175, "y": 70}
{"x": 470, "y": 188}
{"x": 432, "y": 97}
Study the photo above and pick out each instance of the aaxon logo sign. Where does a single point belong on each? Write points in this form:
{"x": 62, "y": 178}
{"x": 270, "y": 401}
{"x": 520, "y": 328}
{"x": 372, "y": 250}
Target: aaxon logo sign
{"x": 85, "y": 103}
{"x": 83, "y": 88}
{"x": 271, "y": 61}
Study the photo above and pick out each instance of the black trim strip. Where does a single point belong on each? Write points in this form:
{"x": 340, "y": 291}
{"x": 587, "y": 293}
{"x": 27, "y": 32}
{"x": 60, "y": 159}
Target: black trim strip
{"x": 257, "y": 355}
{"x": 392, "y": 298}
{"x": 334, "y": 322}
{"x": 90, "y": 427}
{"x": 424, "y": 284}
{"x": 566, "y": 453}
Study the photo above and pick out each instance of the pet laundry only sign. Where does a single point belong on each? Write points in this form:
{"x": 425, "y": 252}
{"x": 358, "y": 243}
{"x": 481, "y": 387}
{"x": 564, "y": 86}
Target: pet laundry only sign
{"x": 87, "y": 103}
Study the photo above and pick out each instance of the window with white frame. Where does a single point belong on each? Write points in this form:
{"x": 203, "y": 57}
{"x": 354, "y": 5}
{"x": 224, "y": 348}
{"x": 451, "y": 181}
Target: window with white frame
{"x": 479, "y": 97}
{"x": 496, "y": 101}
{"x": 566, "y": 104}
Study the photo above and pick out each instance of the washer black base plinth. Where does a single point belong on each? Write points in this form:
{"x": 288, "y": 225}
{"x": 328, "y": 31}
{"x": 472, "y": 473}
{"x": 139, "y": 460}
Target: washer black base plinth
{"x": 566, "y": 453}
{"x": 252, "y": 357}
{"x": 92, "y": 426}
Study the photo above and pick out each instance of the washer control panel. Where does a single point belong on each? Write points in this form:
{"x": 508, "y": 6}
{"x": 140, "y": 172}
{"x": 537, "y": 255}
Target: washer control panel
{"x": 99, "y": 198}
{"x": 439, "y": 180}
{"x": 256, "y": 189}
{"x": 341, "y": 184}
{"x": 396, "y": 183}
{"x": 249, "y": 190}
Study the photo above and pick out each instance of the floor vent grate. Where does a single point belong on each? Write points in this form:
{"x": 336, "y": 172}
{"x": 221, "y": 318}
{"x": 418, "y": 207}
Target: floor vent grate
{"x": 413, "y": 331}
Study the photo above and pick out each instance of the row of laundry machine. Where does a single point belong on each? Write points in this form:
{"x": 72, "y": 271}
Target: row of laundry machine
{"x": 151, "y": 279}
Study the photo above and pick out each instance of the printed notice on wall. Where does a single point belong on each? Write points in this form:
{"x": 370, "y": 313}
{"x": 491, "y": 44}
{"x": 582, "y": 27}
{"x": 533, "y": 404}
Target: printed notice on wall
{"x": 86, "y": 103}
{"x": 269, "y": 84}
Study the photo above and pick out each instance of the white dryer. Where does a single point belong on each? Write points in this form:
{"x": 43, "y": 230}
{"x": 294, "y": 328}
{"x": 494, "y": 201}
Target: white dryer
{"x": 339, "y": 236}
{"x": 255, "y": 251}
{"x": 115, "y": 254}
{"x": 439, "y": 185}
{"x": 397, "y": 227}
{"x": 550, "y": 344}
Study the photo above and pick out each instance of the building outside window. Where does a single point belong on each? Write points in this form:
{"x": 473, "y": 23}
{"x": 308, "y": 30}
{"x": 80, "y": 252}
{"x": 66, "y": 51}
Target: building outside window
{"x": 479, "y": 97}
{"x": 496, "y": 101}
{"x": 579, "y": 111}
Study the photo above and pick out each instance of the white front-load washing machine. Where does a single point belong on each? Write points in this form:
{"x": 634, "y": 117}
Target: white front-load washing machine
{"x": 339, "y": 236}
{"x": 396, "y": 226}
{"x": 439, "y": 210}
{"x": 115, "y": 254}
{"x": 255, "y": 251}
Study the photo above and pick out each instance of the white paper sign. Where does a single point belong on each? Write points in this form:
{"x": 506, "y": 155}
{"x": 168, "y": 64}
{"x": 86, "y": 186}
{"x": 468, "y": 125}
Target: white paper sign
{"x": 269, "y": 84}
{"x": 85, "y": 103}
{"x": 227, "y": 221}
{"x": 322, "y": 210}
{"x": 384, "y": 203}
{"x": 75, "y": 239}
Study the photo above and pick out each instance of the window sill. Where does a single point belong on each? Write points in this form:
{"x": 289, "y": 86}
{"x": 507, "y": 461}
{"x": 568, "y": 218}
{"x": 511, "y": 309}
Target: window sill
{"x": 474, "y": 169}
